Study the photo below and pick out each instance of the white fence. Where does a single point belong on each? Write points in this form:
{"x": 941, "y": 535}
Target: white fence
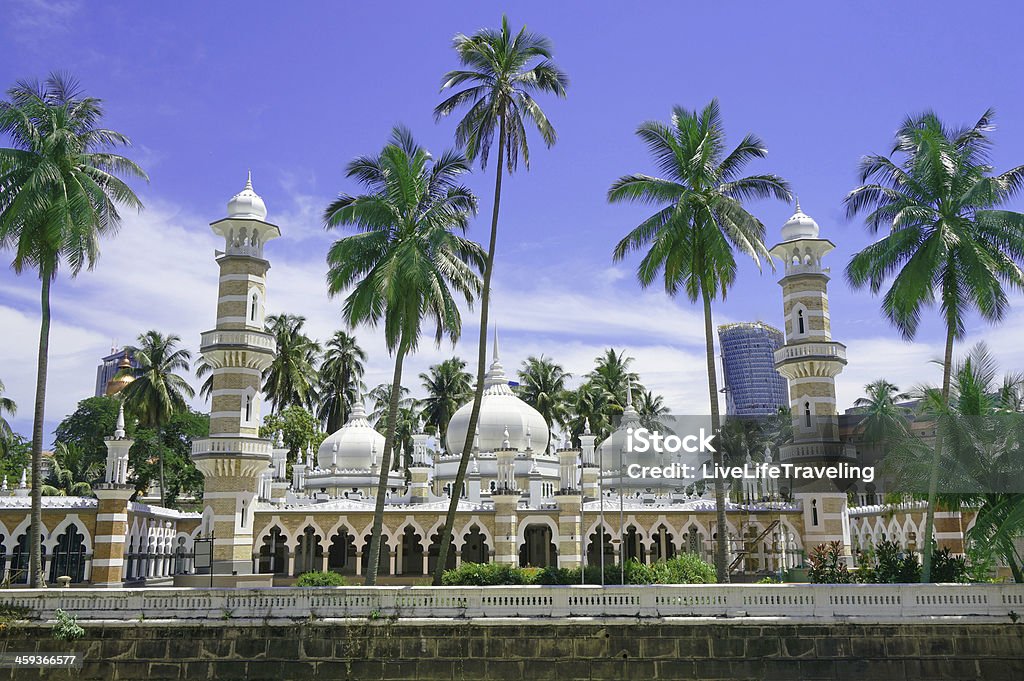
{"x": 802, "y": 601}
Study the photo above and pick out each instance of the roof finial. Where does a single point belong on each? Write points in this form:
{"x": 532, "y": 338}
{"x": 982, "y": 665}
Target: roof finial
{"x": 496, "y": 357}
{"x": 629, "y": 393}
{"x": 248, "y": 180}
{"x": 797, "y": 203}
{"x": 119, "y": 428}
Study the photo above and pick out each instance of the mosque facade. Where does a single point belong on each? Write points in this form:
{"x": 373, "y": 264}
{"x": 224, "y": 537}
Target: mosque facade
{"x": 527, "y": 500}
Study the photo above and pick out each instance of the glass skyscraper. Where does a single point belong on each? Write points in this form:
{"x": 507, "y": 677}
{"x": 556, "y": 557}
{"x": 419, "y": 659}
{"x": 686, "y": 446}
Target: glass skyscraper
{"x": 751, "y": 384}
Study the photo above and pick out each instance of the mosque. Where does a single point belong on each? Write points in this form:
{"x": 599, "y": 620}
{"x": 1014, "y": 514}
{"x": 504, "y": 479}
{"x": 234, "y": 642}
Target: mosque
{"x": 527, "y": 499}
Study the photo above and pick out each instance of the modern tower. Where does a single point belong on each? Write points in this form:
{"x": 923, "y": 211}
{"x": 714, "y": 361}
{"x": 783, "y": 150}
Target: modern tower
{"x": 752, "y": 385}
{"x": 238, "y": 350}
{"x": 811, "y": 360}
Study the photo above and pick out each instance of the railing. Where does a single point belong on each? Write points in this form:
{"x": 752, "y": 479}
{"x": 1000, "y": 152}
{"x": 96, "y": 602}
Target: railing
{"x": 232, "y": 445}
{"x": 256, "y": 339}
{"x": 805, "y": 350}
{"x": 801, "y": 601}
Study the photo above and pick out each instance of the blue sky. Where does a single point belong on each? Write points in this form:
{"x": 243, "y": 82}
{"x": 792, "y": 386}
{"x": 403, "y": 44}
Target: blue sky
{"x": 295, "y": 90}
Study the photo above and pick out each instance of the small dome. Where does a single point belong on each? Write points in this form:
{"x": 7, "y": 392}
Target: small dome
{"x": 800, "y": 226}
{"x": 500, "y": 409}
{"x": 247, "y": 203}
{"x": 120, "y": 380}
{"x": 357, "y": 443}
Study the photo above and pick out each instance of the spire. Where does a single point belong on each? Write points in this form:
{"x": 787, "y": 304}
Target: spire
{"x": 497, "y": 358}
{"x": 119, "y": 428}
{"x": 586, "y": 426}
{"x": 797, "y": 204}
{"x": 629, "y": 393}
{"x": 248, "y": 181}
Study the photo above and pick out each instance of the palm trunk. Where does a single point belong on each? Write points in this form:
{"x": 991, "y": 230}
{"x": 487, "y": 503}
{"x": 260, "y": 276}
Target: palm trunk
{"x": 160, "y": 454}
{"x": 721, "y": 546}
{"x": 933, "y": 474}
{"x": 478, "y": 394}
{"x": 385, "y": 469}
{"x": 35, "y": 566}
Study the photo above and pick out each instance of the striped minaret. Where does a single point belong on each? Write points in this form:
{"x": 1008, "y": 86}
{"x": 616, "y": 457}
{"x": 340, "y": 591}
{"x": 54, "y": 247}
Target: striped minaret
{"x": 811, "y": 360}
{"x": 238, "y": 350}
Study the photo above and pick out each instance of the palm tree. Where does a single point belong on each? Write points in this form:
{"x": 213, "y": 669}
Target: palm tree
{"x": 612, "y": 374}
{"x": 652, "y": 411}
{"x": 6, "y": 405}
{"x": 71, "y": 475}
{"x": 542, "y": 386}
{"x": 590, "y": 405}
{"x": 406, "y": 262}
{"x": 204, "y": 370}
{"x": 448, "y": 386}
{"x": 340, "y": 379}
{"x": 945, "y": 236}
{"x": 884, "y": 418}
{"x": 59, "y": 194}
{"x": 290, "y": 380}
{"x": 701, "y": 220}
{"x": 380, "y": 398}
{"x": 502, "y": 71}
{"x": 157, "y": 392}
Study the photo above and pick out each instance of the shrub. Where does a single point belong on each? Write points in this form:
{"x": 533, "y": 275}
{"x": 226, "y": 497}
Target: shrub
{"x": 684, "y": 569}
{"x": 893, "y": 568}
{"x": 321, "y": 579}
{"x": 947, "y": 568}
{"x": 827, "y": 565}
{"x": 66, "y": 628}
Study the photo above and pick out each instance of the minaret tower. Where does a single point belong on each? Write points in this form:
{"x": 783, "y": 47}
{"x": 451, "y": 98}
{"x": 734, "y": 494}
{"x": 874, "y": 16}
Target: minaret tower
{"x": 238, "y": 350}
{"x": 811, "y": 360}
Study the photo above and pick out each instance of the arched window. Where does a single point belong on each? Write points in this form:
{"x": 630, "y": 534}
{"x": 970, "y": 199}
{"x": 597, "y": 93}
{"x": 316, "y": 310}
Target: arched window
{"x": 800, "y": 328}
{"x": 248, "y": 408}
{"x": 69, "y": 556}
{"x": 254, "y": 306}
{"x": 807, "y": 414}
{"x": 814, "y": 512}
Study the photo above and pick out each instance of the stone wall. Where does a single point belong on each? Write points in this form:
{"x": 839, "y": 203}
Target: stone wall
{"x": 555, "y": 649}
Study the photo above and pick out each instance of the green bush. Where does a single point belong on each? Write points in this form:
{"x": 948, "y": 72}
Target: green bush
{"x": 947, "y": 568}
{"x": 827, "y": 564}
{"x": 321, "y": 579}
{"x": 684, "y": 569}
{"x": 66, "y": 628}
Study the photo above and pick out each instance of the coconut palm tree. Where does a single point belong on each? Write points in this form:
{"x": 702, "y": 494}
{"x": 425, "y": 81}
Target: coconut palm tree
{"x": 11, "y": 408}
{"x": 501, "y": 73}
{"x": 590, "y": 405}
{"x": 612, "y": 374}
{"x": 652, "y": 411}
{"x": 204, "y": 371}
{"x": 542, "y": 386}
{"x": 406, "y": 264}
{"x": 340, "y": 379}
{"x": 946, "y": 237}
{"x": 884, "y": 418}
{"x": 448, "y": 386}
{"x": 157, "y": 392}
{"x": 59, "y": 194}
{"x": 71, "y": 473}
{"x": 700, "y": 222}
{"x": 980, "y": 459}
{"x": 380, "y": 398}
{"x": 291, "y": 378}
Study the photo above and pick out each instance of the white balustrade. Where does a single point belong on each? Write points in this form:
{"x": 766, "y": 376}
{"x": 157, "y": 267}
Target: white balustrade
{"x": 882, "y": 602}
{"x": 238, "y": 337}
{"x": 803, "y": 350}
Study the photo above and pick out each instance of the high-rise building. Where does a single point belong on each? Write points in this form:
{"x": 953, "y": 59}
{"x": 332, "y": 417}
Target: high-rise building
{"x": 752, "y": 385}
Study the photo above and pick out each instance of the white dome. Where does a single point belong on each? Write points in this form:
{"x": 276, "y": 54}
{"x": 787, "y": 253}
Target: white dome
{"x": 800, "y": 226}
{"x": 500, "y": 409}
{"x": 357, "y": 444}
{"x": 247, "y": 203}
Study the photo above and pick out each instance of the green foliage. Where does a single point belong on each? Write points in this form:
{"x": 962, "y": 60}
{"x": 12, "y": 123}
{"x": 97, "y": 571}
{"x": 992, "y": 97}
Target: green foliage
{"x": 893, "y": 565}
{"x": 947, "y": 568}
{"x": 448, "y": 387}
{"x": 298, "y": 429}
{"x": 827, "y": 565}
{"x": 17, "y": 456}
{"x": 542, "y": 385}
{"x": 291, "y": 378}
{"x": 93, "y": 420}
{"x": 321, "y": 579}
{"x": 684, "y": 569}
{"x": 66, "y": 628}
{"x": 71, "y": 473}
{"x": 174, "y": 442}
{"x": 340, "y": 379}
